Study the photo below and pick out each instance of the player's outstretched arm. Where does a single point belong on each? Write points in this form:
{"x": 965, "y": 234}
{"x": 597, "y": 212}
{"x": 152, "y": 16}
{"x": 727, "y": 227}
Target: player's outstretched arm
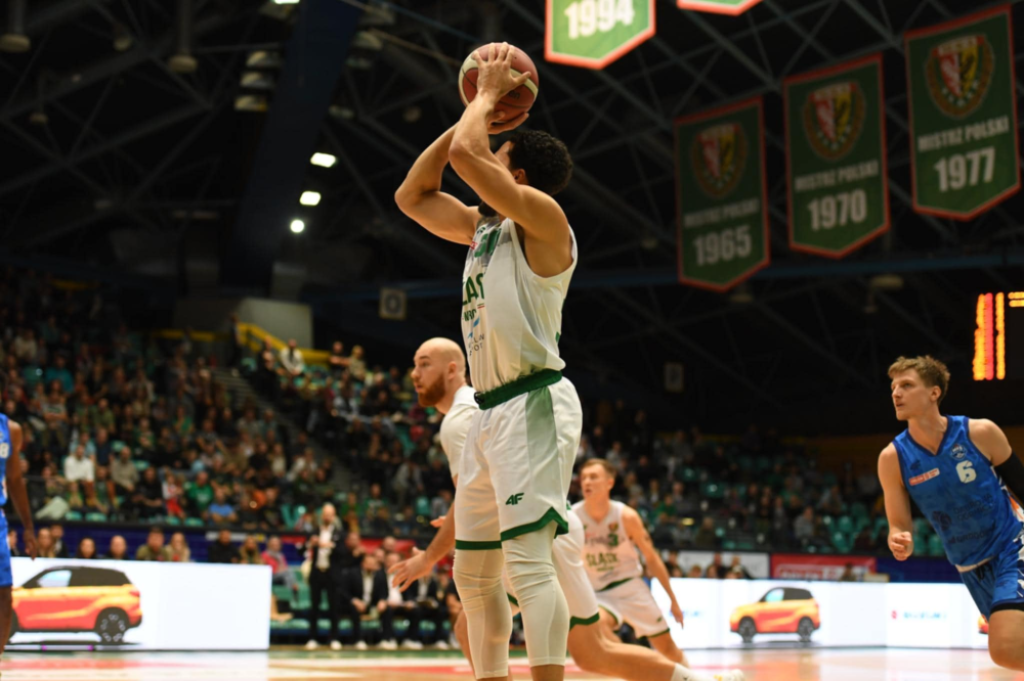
{"x": 897, "y": 504}
{"x": 540, "y": 216}
{"x": 18, "y": 492}
{"x": 639, "y": 535}
{"x": 419, "y": 565}
{"x": 993, "y": 443}
{"x": 420, "y": 196}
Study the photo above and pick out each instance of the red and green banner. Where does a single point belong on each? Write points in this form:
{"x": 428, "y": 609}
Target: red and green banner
{"x": 730, "y": 7}
{"x": 722, "y": 195}
{"x": 594, "y": 33}
{"x": 963, "y": 114}
{"x": 835, "y": 161}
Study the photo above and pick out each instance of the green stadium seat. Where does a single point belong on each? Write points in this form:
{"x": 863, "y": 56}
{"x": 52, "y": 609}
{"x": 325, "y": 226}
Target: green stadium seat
{"x": 283, "y": 593}
{"x": 935, "y": 546}
{"x": 194, "y": 522}
{"x": 713, "y": 490}
{"x": 845, "y": 525}
{"x": 841, "y": 542}
{"x": 828, "y": 522}
{"x": 288, "y": 515}
{"x": 858, "y": 510}
{"x": 72, "y": 516}
{"x": 729, "y": 545}
{"x": 689, "y": 475}
{"x": 881, "y": 525}
{"x": 173, "y": 520}
{"x": 96, "y": 517}
{"x": 423, "y": 506}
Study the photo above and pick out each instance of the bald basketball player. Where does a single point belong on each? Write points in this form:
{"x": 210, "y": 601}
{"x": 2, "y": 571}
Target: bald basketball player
{"x": 439, "y": 377}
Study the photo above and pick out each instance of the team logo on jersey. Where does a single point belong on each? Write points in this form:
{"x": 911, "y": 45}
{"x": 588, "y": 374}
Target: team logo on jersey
{"x": 613, "y": 527}
{"x": 924, "y": 477}
{"x": 959, "y": 452}
{"x": 942, "y": 520}
{"x": 834, "y": 119}
{"x": 719, "y": 157}
{"x": 959, "y": 73}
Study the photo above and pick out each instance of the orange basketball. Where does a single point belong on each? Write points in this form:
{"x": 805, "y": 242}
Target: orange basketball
{"x": 513, "y": 103}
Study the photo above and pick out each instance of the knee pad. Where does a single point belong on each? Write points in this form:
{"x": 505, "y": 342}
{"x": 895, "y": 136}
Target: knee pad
{"x": 528, "y": 559}
{"x": 488, "y": 615}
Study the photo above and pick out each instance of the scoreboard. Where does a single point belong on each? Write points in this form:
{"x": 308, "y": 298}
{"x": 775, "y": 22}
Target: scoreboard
{"x": 999, "y": 337}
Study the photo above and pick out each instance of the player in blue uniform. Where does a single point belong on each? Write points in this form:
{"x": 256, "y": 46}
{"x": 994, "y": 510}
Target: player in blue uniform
{"x": 960, "y": 472}
{"x": 14, "y": 485}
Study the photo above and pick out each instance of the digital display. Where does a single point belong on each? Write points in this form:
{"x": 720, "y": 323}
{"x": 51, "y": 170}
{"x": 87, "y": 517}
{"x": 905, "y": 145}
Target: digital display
{"x": 999, "y": 337}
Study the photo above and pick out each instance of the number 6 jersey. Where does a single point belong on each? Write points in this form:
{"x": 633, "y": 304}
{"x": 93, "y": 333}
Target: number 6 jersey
{"x": 960, "y": 494}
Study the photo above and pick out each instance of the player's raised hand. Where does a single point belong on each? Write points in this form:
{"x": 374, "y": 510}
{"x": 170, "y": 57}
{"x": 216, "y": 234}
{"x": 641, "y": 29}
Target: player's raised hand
{"x": 902, "y": 545}
{"x": 494, "y": 63}
{"x": 498, "y": 124}
{"x": 408, "y": 571}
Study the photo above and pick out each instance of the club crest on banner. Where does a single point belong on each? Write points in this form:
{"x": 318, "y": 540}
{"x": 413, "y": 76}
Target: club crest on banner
{"x": 719, "y": 156}
{"x": 959, "y": 73}
{"x": 833, "y": 119}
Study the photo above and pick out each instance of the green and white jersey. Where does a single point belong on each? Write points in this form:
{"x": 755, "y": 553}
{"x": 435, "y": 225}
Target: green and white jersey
{"x": 608, "y": 553}
{"x": 511, "y": 317}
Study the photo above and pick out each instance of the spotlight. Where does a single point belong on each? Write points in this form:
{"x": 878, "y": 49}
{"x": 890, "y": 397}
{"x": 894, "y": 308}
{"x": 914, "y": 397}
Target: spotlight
{"x": 298, "y": 226}
{"x": 309, "y": 198}
{"x": 323, "y": 160}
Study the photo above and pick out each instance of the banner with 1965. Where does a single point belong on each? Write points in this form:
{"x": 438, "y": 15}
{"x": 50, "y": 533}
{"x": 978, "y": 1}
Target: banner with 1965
{"x": 721, "y": 195}
{"x": 835, "y": 161}
{"x": 963, "y": 114}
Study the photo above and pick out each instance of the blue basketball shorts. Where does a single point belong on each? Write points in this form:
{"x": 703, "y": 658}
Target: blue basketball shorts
{"x": 999, "y": 583}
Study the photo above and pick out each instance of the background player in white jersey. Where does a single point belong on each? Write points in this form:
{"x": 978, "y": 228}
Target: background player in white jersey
{"x": 614, "y": 532}
{"x": 439, "y": 379}
{"x": 514, "y": 477}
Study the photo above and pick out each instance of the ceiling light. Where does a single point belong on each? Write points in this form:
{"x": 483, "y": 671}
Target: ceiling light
{"x": 323, "y": 160}
{"x": 309, "y": 198}
{"x": 297, "y": 226}
{"x": 286, "y": 2}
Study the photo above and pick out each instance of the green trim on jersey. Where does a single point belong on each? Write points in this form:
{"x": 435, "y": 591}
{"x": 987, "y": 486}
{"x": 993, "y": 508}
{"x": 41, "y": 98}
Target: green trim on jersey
{"x": 520, "y": 386}
{"x": 615, "y": 584}
{"x": 550, "y": 516}
{"x": 477, "y": 545}
{"x": 512, "y": 600}
{"x": 660, "y": 633}
{"x": 614, "y": 616}
{"x": 583, "y": 622}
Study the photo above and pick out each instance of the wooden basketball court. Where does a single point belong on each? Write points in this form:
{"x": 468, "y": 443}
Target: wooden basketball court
{"x": 760, "y": 665}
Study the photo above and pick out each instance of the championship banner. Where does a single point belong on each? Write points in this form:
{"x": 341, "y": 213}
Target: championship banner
{"x": 730, "y": 7}
{"x": 722, "y": 196}
{"x": 835, "y": 162}
{"x": 594, "y": 33}
{"x": 963, "y": 115}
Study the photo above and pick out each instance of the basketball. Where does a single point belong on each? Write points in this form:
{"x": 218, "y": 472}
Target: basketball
{"x": 513, "y": 103}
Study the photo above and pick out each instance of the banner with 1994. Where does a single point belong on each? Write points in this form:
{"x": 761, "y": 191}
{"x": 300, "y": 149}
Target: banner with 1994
{"x": 721, "y": 195}
{"x": 963, "y": 114}
{"x": 835, "y": 161}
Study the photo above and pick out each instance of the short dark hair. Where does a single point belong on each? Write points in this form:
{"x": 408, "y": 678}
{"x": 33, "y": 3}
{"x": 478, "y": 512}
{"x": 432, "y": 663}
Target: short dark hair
{"x": 606, "y": 465}
{"x": 545, "y": 159}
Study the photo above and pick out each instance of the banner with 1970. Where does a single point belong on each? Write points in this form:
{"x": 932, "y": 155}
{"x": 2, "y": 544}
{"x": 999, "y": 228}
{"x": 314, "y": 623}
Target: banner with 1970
{"x": 963, "y": 114}
{"x": 835, "y": 161}
{"x": 721, "y": 195}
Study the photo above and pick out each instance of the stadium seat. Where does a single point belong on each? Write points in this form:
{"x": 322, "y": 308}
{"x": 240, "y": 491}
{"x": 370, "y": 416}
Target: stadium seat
{"x": 845, "y": 525}
{"x": 841, "y": 542}
{"x": 72, "y": 516}
{"x": 96, "y": 517}
{"x": 935, "y": 546}
{"x": 194, "y": 522}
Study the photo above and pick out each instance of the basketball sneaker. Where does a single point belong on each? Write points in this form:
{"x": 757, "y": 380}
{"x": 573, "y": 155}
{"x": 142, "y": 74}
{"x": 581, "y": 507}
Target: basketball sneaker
{"x": 734, "y": 675}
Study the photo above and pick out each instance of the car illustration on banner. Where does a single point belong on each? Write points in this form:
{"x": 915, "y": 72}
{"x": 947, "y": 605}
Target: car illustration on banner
{"x": 783, "y": 610}
{"x": 982, "y": 625}
{"x": 78, "y": 599}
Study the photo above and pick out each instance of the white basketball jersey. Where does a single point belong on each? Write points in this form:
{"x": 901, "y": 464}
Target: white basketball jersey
{"x": 455, "y": 426}
{"x": 511, "y": 317}
{"x": 608, "y": 553}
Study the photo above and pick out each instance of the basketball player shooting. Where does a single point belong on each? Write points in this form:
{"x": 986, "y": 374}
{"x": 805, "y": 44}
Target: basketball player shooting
{"x": 614, "y": 532}
{"x": 517, "y": 464}
{"x": 960, "y": 472}
{"x": 439, "y": 378}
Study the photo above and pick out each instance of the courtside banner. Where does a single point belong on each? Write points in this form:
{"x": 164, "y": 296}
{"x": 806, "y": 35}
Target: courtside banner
{"x": 730, "y": 7}
{"x": 814, "y": 567}
{"x": 594, "y": 33}
{"x": 128, "y": 605}
{"x": 721, "y": 195}
{"x": 835, "y": 163}
{"x": 733, "y": 613}
{"x": 963, "y": 114}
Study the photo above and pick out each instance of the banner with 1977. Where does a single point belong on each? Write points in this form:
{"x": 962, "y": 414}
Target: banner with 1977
{"x": 963, "y": 114}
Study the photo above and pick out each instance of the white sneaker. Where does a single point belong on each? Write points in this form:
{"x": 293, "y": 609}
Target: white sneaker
{"x": 388, "y": 645}
{"x": 409, "y": 644}
{"x": 734, "y": 675}
{"x": 442, "y": 645}
{"x": 454, "y": 643}
{"x": 361, "y": 645}
{"x": 335, "y": 645}
{"x": 311, "y": 644}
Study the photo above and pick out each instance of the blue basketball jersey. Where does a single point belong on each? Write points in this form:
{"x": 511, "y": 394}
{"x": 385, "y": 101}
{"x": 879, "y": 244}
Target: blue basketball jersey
{"x": 960, "y": 494}
{"x": 5, "y": 453}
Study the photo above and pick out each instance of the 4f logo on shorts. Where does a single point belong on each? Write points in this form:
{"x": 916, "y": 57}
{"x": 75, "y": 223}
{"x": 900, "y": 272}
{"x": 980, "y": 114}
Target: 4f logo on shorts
{"x": 514, "y": 499}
